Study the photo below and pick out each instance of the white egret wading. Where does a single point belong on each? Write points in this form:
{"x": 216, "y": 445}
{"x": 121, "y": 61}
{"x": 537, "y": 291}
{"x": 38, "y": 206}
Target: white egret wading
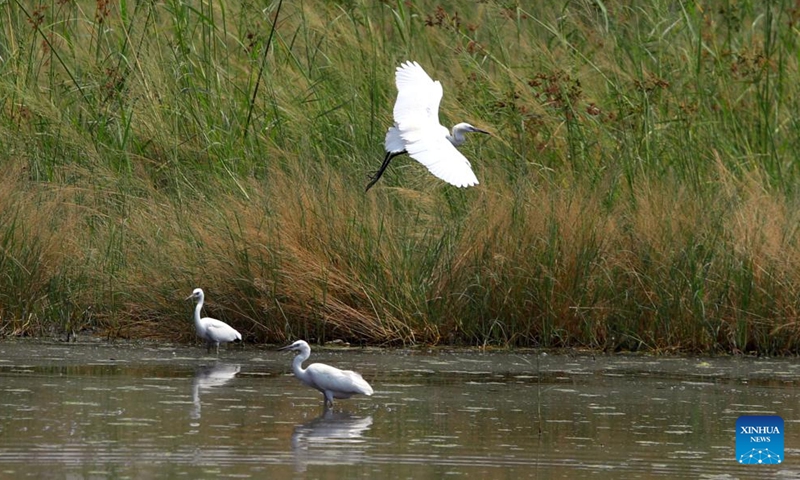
{"x": 417, "y": 131}
{"x": 211, "y": 330}
{"x": 332, "y": 382}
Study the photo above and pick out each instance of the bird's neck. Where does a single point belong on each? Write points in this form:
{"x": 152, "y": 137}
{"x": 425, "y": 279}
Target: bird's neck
{"x": 457, "y": 137}
{"x": 297, "y": 364}
{"x": 197, "y": 309}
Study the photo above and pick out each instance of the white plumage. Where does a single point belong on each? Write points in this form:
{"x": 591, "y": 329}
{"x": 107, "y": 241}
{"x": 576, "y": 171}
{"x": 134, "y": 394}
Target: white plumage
{"x": 211, "y": 330}
{"x": 417, "y": 132}
{"x": 331, "y": 381}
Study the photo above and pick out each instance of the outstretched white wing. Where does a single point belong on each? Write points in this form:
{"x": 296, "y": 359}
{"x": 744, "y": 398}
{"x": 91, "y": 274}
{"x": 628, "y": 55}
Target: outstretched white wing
{"x": 442, "y": 159}
{"x": 416, "y": 116}
{"x": 418, "y": 97}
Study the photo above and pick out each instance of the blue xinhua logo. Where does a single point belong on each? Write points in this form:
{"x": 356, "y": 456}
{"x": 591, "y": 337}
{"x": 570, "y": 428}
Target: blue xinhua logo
{"x": 759, "y": 439}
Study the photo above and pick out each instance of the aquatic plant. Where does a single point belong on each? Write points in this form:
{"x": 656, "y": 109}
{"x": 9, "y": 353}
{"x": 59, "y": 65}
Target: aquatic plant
{"x": 638, "y": 191}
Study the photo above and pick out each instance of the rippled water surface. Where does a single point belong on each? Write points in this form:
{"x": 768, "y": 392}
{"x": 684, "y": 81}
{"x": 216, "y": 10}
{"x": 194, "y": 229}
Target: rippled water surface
{"x": 103, "y": 411}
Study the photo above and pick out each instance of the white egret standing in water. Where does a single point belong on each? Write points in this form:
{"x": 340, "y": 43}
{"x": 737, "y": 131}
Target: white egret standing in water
{"x": 417, "y": 131}
{"x": 332, "y": 382}
{"x": 211, "y": 330}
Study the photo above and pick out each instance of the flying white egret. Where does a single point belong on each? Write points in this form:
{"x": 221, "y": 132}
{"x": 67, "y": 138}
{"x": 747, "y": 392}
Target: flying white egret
{"x": 417, "y": 131}
{"x": 332, "y": 382}
{"x": 211, "y": 330}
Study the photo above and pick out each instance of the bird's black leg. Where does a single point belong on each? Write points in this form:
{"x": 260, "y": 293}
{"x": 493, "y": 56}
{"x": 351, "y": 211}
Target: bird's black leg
{"x": 388, "y": 158}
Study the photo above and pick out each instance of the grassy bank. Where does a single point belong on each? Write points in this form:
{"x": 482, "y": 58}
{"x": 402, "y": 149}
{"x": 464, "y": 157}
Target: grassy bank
{"x": 639, "y": 191}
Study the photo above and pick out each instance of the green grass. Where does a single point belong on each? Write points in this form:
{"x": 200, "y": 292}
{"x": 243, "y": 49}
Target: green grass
{"x": 638, "y": 192}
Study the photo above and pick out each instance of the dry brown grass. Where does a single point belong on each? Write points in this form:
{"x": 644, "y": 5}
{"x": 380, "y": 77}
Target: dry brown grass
{"x": 635, "y": 193}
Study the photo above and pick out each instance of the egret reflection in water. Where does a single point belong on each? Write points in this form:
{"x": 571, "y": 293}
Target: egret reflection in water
{"x": 207, "y": 377}
{"x": 333, "y": 438}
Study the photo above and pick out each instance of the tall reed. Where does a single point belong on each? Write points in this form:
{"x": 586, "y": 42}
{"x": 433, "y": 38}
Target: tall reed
{"x": 638, "y": 191}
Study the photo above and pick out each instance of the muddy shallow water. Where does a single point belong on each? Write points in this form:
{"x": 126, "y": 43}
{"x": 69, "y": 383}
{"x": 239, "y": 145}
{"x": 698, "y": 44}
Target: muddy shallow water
{"x": 104, "y": 411}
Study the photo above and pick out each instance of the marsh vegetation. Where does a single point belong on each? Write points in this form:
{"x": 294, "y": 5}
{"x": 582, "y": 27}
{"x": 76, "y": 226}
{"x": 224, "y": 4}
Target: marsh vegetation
{"x": 639, "y": 190}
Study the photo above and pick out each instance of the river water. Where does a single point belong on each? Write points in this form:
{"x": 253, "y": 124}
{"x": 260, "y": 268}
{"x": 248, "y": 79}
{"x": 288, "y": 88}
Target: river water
{"x": 96, "y": 410}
